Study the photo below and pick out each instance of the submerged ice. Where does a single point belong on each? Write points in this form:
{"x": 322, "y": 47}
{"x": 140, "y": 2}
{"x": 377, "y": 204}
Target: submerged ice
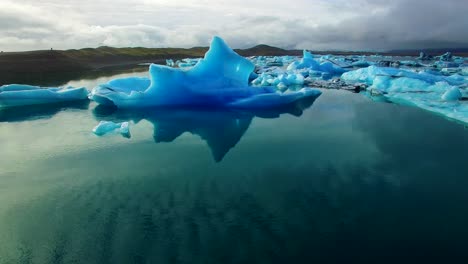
{"x": 221, "y": 78}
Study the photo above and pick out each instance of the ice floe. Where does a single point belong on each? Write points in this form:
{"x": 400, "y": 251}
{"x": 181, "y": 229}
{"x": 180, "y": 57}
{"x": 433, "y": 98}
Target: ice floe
{"x": 432, "y": 91}
{"x": 19, "y": 95}
{"x": 106, "y": 127}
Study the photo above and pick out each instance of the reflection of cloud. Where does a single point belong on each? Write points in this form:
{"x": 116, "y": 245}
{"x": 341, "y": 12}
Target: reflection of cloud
{"x": 359, "y": 24}
{"x": 416, "y": 143}
{"x": 35, "y": 112}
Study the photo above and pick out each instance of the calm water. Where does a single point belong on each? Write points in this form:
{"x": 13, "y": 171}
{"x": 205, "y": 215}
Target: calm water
{"x": 348, "y": 180}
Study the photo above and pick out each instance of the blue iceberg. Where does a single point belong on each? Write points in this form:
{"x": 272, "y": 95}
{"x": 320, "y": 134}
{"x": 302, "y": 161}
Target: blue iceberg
{"x": 452, "y": 94}
{"x": 308, "y": 62}
{"x": 220, "y": 79}
{"x": 19, "y": 95}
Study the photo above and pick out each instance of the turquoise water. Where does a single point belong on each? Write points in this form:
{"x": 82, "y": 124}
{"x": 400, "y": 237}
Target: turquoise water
{"x": 349, "y": 179}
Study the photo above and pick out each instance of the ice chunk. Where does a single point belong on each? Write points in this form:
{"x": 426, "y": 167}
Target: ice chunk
{"x": 106, "y": 127}
{"x": 452, "y": 94}
{"x": 170, "y": 63}
{"x": 361, "y": 64}
{"x": 121, "y": 85}
{"x": 446, "y": 56}
{"x": 379, "y": 75}
{"x": 424, "y": 56}
{"x": 19, "y": 94}
{"x": 219, "y": 79}
{"x": 308, "y": 62}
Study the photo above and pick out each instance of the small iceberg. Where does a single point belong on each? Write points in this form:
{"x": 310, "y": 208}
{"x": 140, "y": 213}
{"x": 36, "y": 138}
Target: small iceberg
{"x": 19, "y": 95}
{"x": 220, "y": 79}
{"x": 452, "y": 94}
{"x": 308, "y": 62}
{"x": 106, "y": 127}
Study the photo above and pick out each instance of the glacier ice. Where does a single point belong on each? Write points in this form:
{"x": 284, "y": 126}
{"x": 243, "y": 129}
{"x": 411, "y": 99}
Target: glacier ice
{"x": 20, "y": 94}
{"x": 308, "y": 62}
{"x": 106, "y": 127}
{"x": 170, "y": 63}
{"x": 452, "y": 94}
{"x": 220, "y": 79}
{"x": 429, "y": 90}
{"x": 298, "y": 72}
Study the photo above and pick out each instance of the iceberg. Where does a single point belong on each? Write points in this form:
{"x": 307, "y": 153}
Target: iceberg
{"x": 308, "y": 62}
{"x": 452, "y": 94}
{"x": 446, "y": 56}
{"x": 170, "y": 63}
{"x": 220, "y": 79}
{"x": 106, "y": 127}
{"x": 19, "y": 95}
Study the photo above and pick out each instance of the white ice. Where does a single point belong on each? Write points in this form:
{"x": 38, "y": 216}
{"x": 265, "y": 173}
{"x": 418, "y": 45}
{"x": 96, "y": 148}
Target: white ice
{"x": 107, "y": 127}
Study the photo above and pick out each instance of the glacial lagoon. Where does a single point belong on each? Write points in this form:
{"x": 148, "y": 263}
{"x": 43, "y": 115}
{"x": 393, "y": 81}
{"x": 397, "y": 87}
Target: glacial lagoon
{"x": 344, "y": 179}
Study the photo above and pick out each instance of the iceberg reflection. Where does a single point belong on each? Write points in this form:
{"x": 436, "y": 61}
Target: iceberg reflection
{"x": 221, "y": 129}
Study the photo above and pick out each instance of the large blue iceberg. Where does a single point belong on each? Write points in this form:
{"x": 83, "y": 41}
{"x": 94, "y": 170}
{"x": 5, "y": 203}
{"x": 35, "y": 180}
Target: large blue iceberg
{"x": 19, "y": 95}
{"x": 220, "y": 79}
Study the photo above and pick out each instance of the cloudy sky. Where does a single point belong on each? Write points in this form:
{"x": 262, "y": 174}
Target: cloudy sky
{"x": 312, "y": 24}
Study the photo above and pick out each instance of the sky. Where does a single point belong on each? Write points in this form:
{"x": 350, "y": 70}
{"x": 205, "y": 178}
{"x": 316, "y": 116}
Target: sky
{"x": 312, "y": 24}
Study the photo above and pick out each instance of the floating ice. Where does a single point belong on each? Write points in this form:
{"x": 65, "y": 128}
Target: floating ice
{"x": 19, "y": 94}
{"x": 299, "y": 72}
{"x": 452, "y": 94}
{"x": 361, "y": 63}
{"x": 220, "y": 79}
{"x": 428, "y": 90}
{"x": 446, "y": 57}
{"x": 397, "y": 79}
{"x": 106, "y": 127}
{"x": 170, "y": 63}
{"x": 308, "y": 62}
{"x": 120, "y": 86}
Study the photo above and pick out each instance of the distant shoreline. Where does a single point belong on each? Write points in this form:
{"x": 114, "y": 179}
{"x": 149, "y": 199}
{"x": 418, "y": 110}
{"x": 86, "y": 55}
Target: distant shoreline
{"x": 21, "y": 67}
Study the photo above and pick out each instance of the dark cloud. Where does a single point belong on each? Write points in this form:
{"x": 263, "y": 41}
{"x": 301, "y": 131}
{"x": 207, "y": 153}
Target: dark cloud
{"x": 326, "y": 25}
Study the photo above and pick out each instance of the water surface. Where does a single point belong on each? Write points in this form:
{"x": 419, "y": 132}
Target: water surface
{"x": 348, "y": 179}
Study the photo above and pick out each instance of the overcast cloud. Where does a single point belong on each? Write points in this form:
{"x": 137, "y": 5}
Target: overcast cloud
{"x": 312, "y": 24}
